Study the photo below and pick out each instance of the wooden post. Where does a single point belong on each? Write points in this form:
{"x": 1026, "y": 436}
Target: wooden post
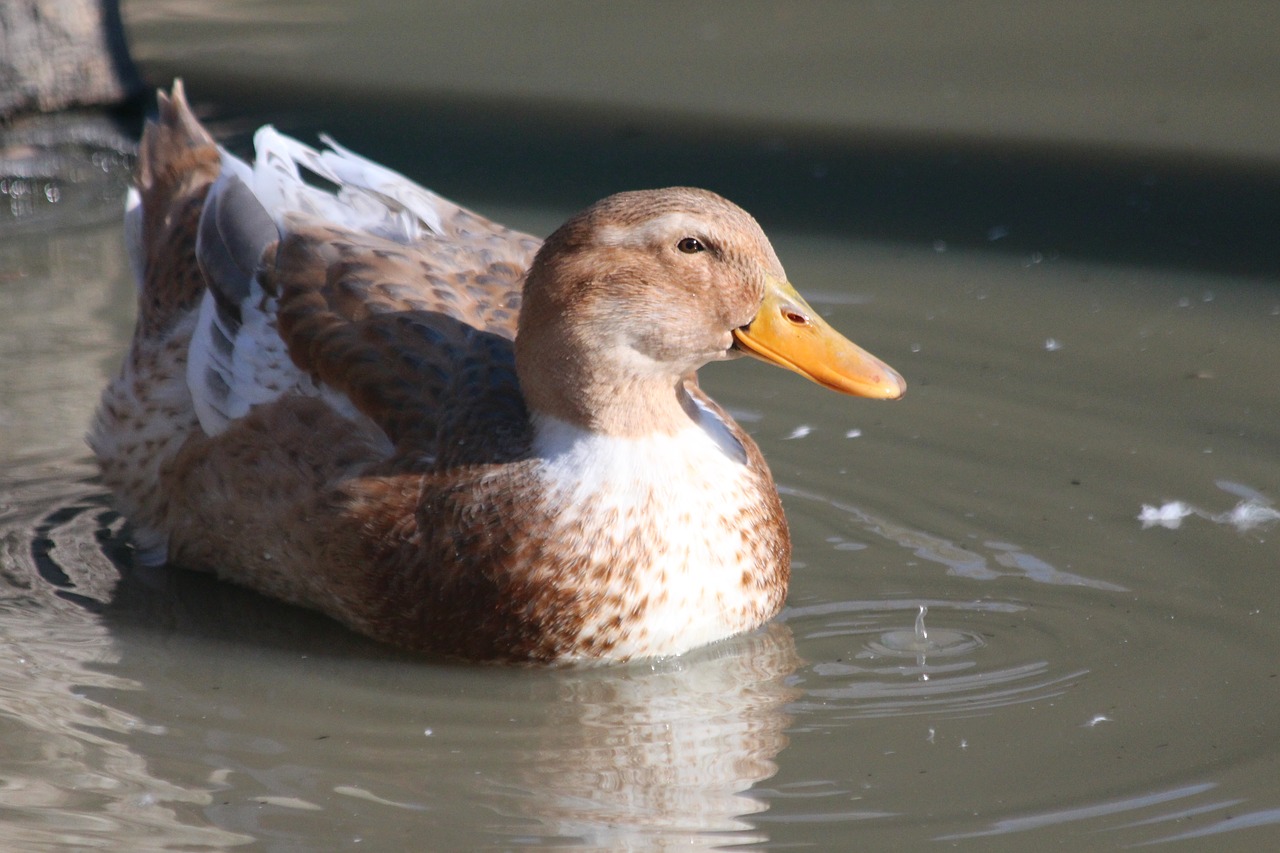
{"x": 56, "y": 54}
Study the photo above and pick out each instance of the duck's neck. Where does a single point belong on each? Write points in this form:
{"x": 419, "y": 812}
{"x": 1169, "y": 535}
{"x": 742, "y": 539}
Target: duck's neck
{"x": 700, "y": 428}
{"x": 591, "y": 396}
{"x": 579, "y": 361}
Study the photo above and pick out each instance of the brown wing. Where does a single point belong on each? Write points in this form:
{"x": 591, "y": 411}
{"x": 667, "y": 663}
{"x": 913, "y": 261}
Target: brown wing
{"x": 418, "y": 337}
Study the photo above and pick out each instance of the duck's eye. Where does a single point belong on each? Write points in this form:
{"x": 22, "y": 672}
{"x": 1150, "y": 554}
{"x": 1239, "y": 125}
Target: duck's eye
{"x": 691, "y": 246}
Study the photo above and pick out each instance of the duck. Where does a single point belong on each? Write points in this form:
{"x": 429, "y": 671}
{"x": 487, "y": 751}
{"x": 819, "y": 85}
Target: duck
{"x": 353, "y": 395}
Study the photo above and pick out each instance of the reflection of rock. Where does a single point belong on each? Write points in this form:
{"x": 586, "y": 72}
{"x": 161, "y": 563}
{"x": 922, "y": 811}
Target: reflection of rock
{"x": 62, "y": 171}
{"x": 68, "y": 292}
{"x": 649, "y": 757}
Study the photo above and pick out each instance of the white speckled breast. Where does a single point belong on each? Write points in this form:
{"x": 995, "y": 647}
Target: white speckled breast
{"x": 662, "y": 526}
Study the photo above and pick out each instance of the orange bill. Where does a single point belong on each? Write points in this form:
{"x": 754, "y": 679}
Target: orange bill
{"x": 790, "y": 334}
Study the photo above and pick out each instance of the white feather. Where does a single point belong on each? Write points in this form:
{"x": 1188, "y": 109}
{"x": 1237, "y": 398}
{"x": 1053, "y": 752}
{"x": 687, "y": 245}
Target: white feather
{"x": 257, "y": 369}
{"x": 369, "y": 197}
{"x": 354, "y": 170}
{"x": 133, "y": 236}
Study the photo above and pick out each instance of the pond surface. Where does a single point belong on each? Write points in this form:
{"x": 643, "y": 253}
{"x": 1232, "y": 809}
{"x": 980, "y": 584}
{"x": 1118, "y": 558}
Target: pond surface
{"x": 1034, "y": 603}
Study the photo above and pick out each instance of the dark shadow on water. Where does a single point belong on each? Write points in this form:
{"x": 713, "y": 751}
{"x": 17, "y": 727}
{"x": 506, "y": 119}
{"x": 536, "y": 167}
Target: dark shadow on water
{"x": 1129, "y": 207}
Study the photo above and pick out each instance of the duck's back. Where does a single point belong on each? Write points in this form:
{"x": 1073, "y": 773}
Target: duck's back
{"x": 308, "y": 285}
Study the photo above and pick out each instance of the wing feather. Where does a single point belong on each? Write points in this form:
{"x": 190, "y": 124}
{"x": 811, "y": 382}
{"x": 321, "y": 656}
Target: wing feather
{"x": 372, "y": 292}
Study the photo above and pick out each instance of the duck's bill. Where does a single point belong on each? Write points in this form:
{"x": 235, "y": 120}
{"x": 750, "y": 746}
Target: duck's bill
{"x": 790, "y": 334}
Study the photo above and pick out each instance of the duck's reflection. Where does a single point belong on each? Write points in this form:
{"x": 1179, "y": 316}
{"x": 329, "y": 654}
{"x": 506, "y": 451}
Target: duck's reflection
{"x": 610, "y": 758}
{"x": 663, "y": 755}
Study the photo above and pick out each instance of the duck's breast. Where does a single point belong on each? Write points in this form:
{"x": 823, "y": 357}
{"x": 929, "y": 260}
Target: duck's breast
{"x": 676, "y": 540}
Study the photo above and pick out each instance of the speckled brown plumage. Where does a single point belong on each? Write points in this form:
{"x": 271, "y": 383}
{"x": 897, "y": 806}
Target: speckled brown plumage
{"x": 423, "y": 349}
{"x": 469, "y": 446}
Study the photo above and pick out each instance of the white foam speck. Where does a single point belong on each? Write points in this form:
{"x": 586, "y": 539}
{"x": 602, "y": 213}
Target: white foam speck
{"x": 1169, "y": 515}
{"x": 1052, "y": 344}
{"x": 853, "y": 433}
{"x": 799, "y": 432}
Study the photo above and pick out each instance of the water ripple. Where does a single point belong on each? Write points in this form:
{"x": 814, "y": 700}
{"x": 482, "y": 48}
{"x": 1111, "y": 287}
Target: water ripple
{"x": 881, "y": 665}
{"x": 70, "y": 781}
{"x": 962, "y": 561}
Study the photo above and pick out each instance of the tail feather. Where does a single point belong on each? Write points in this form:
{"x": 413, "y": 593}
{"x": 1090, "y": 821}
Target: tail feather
{"x": 174, "y": 129}
{"x": 178, "y": 161}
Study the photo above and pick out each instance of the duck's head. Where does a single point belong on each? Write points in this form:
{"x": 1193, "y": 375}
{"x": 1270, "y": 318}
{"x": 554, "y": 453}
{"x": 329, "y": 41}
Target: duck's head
{"x": 631, "y": 296}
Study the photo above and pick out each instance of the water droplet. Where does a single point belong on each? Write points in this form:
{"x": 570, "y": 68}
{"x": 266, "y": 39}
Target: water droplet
{"x": 922, "y": 635}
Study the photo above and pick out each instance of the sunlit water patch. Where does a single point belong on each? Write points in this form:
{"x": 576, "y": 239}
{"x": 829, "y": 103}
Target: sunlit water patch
{"x": 68, "y": 781}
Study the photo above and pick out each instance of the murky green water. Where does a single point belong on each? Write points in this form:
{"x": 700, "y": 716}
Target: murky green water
{"x": 1085, "y": 332}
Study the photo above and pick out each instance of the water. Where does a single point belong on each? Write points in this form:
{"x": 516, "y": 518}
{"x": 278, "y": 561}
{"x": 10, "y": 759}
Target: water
{"x": 1079, "y": 488}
